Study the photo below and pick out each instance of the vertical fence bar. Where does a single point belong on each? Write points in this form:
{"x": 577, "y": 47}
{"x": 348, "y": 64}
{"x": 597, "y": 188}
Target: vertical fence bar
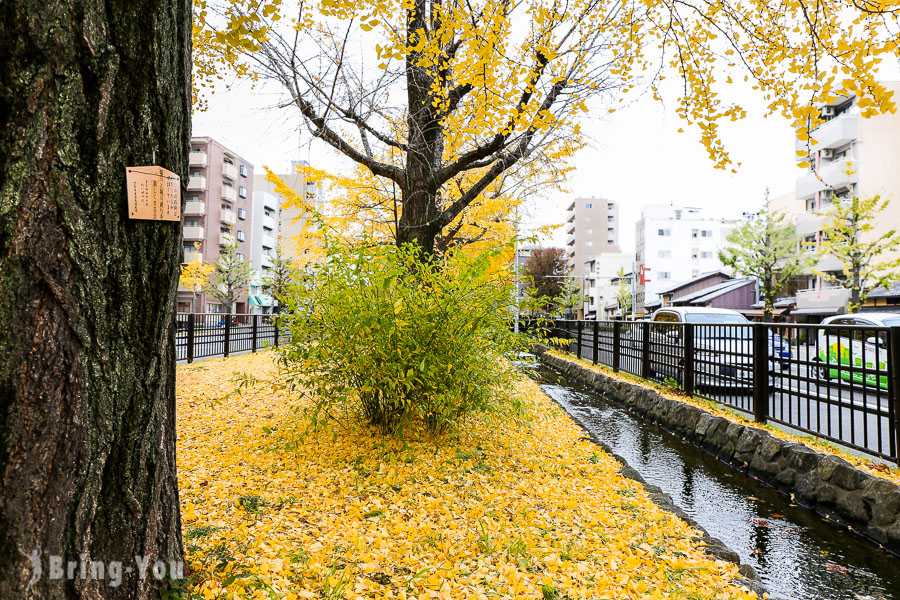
{"x": 275, "y": 325}
{"x": 190, "y": 338}
{"x": 760, "y": 374}
{"x": 255, "y": 320}
{"x": 687, "y": 375}
{"x": 227, "y": 333}
{"x": 894, "y": 388}
{"x": 645, "y": 349}
{"x": 580, "y": 325}
{"x": 617, "y": 345}
{"x": 596, "y": 341}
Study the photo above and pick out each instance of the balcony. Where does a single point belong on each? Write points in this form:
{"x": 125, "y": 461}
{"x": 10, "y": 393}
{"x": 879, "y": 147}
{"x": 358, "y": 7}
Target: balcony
{"x": 570, "y": 229}
{"x": 229, "y": 171}
{"x": 829, "y": 263}
{"x": 570, "y": 240}
{"x": 197, "y": 184}
{"x": 269, "y": 223}
{"x": 832, "y": 176}
{"x": 808, "y": 223}
{"x": 225, "y": 239}
{"x": 197, "y": 159}
{"x": 194, "y": 208}
{"x": 192, "y": 256}
{"x": 824, "y": 299}
{"x": 268, "y": 241}
{"x": 267, "y": 261}
{"x": 227, "y": 216}
{"x": 229, "y": 193}
{"x": 192, "y": 233}
{"x": 836, "y": 132}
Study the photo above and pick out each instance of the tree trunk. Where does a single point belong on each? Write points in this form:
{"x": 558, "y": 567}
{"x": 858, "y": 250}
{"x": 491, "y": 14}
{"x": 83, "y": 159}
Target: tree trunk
{"x": 87, "y": 421}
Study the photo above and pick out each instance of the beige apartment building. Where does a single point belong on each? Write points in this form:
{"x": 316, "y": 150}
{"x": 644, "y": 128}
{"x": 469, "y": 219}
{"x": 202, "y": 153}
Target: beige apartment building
{"x": 218, "y": 211}
{"x": 848, "y": 155}
{"x": 592, "y": 228}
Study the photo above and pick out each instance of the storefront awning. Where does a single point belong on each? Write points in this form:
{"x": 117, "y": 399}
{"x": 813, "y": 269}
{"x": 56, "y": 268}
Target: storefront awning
{"x": 756, "y": 312}
{"x": 261, "y": 300}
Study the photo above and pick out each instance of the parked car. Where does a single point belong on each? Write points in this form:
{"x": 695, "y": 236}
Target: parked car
{"x": 723, "y": 345}
{"x": 843, "y": 350}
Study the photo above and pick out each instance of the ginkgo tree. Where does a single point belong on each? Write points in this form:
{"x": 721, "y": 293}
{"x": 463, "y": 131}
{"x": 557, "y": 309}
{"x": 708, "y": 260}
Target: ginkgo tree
{"x": 463, "y": 92}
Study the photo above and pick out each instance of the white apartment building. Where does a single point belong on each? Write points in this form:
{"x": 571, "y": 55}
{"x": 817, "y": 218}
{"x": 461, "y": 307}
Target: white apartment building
{"x": 592, "y": 229}
{"x": 290, "y": 220}
{"x": 847, "y": 156}
{"x": 602, "y": 283}
{"x": 675, "y": 243}
{"x": 264, "y": 241}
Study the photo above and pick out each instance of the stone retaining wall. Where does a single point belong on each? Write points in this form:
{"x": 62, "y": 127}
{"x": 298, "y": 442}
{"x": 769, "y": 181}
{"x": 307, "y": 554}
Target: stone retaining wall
{"x": 825, "y": 483}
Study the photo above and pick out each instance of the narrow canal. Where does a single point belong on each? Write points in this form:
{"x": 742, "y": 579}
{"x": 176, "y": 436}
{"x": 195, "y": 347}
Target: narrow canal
{"x": 797, "y": 555}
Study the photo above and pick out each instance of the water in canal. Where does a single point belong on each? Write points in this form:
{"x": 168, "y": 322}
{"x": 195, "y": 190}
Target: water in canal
{"x": 796, "y": 554}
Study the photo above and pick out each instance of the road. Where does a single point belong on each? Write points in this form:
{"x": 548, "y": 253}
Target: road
{"x": 853, "y": 415}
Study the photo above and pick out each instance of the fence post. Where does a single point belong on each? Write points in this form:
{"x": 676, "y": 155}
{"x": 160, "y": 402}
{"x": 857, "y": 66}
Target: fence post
{"x": 255, "y": 320}
{"x": 275, "y": 324}
{"x": 578, "y": 346}
{"x": 760, "y": 374}
{"x": 617, "y": 344}
{"x": 894, "y": 385}
{"x": 190, "y": 337}
{"x": 596, "y": 341}
{"x": 687, "y": 375}
{"x": 645, "y": 349}
{"x": 227, "y": 333}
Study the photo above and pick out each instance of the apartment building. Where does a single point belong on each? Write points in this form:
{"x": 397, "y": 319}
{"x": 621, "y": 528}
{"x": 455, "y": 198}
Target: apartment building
{"x": 264, "y": 241}
{"x": 592, "y": 228}
{"x": 674, "y": 244}
{"x": 218, "y": 210}
{"x": 847, "y": 155}
{"x": 604, "y": 281}
{"x": 290, "y": 220}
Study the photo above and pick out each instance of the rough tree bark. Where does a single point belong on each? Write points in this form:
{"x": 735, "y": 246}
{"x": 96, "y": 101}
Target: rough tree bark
{"x": 87, "y": 411}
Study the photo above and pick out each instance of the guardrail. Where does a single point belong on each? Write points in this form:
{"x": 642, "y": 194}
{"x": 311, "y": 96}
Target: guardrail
{"x": 838, "y": 383}
{"x": 203, "y": 335}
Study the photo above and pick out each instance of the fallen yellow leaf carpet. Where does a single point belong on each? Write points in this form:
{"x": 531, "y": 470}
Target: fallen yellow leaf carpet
{"x": 506, "y": 509}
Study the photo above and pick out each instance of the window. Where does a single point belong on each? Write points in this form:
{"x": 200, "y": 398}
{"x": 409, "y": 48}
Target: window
{"x": 244, "y": 170}
{"x": 706, "y": 233}
{"x": 665, "y": 275}
{"x": 664, "y": 254}
{"x": 589, "y": 256}
{"x": 609, "y": 218}
{"x": 695, "y": 233}
{"x": 242, "y": 192}
{"x": 706, "y": 254}
{"x": 810, "y": 204}
{"x": 678, "y": 215}
{"x": 589, "y": 205}
{"x": 242, "y": 214}
{"x": 193, "y": 198}
{"x": 664, "y": 232}
{"x": 191, "y": 223}
{"x": 240, "y": 235}
{"x": 588, "y": 219}
{"x": 239, "y": 255}
{"x": 809, "y": 243}
{"x": 195, "y": 173}
{"x": 589, "y": 243}
{"x": 196, "y": 149}
{"x": 589, "y": 231}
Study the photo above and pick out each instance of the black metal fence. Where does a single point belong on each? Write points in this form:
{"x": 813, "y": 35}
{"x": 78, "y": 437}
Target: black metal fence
{"x": 839, "y": 383}
{"x": 202, "y": 335}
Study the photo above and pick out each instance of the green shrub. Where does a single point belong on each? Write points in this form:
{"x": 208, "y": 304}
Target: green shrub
{"x": 378, "y": 335}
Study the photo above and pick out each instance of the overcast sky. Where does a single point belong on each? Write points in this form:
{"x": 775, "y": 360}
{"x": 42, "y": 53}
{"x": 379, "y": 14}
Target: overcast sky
{"x": 635, "y": 156}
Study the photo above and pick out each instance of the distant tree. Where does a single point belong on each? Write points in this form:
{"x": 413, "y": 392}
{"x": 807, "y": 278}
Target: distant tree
{"x": 766, "y": 247}
{"x": 846, "y": 236}
{"x": 194, "y": 276}
{"x": 572, "y": 296}
{"x": 623, "y": 294}
{"x": 229, "y": 278}
{"x": 542, "y": 270}
{"x": 282, "y": 275}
